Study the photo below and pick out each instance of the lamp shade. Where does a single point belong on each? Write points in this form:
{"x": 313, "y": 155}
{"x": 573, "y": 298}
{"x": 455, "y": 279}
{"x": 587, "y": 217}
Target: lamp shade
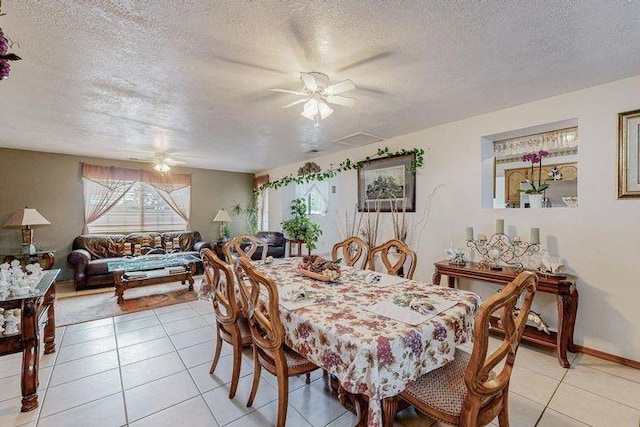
{"x": 26, "y": 217}
{"x": 222, "y": 216}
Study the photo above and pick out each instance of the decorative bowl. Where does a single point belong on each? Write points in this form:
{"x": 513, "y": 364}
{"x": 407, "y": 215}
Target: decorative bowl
{"x": 570, "y": 201}
{"x": 316, "y": 276}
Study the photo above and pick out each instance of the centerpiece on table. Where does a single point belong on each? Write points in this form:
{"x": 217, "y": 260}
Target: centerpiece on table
{"x": 316, "y": 267}
{"x": 536, "y": 191}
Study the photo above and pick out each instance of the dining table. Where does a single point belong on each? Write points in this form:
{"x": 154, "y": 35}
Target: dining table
{"x": 374, "y": 332}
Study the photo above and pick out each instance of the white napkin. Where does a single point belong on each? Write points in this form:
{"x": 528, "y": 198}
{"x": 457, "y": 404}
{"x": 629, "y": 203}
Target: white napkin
{"x": 382, "y": 279}
{"x": 423, "y": 306}
{"x": 292, "y": 293}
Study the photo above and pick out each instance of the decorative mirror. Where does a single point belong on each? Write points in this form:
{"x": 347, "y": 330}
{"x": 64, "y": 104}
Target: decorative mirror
{"x": 531, "y": 168}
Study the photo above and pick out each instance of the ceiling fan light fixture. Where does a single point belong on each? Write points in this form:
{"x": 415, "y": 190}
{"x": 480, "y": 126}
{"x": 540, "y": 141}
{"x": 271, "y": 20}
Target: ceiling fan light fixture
{"x": 310, "y": 110}
{"x": 324, "y": 110}
{"x": 162, "y": 167}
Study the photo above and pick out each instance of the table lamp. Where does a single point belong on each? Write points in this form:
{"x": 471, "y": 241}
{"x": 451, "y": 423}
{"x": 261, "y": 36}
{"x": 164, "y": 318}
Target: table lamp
{"x": 222, "y": 217}
{"x": 26, "y": 218}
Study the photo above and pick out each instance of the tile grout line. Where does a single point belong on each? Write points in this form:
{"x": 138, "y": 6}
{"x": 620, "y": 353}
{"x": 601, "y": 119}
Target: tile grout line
{"x": 124, "y": 400}
{"x": 53, "y": 367}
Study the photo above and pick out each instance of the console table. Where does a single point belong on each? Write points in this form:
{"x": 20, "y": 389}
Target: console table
{"x": 35, "y": 309}
{"x": 563, "y": 286}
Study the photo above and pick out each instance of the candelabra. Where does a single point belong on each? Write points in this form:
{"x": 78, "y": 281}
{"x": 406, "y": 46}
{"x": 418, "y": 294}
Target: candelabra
{"x": 500, "y": 249}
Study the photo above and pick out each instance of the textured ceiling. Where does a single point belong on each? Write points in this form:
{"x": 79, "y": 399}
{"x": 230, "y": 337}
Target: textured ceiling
{"x": 125, "y": 79}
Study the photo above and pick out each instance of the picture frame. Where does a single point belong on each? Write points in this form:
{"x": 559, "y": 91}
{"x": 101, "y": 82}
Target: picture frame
{"x": 629, "y": 154}
{"x": 383, "y": 182}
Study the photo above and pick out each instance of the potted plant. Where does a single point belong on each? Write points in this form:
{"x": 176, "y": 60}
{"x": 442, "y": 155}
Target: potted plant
{"x": 300, "y": 227}
{"x": 536, "y": 191}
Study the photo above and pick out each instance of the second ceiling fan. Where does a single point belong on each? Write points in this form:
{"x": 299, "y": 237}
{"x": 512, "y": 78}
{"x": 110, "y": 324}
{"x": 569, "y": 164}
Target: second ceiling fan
{"x": 317, "y": 93}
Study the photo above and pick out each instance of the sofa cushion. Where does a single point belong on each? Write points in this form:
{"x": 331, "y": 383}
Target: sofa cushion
{"x": 101, "y": 245}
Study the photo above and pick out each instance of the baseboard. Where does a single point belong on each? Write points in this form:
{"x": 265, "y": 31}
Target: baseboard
{"x": 65, "y": 282}
{"x": 607, "y": 356}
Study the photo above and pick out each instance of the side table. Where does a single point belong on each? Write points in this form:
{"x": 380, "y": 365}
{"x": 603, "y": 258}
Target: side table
{"x": 562, "y": 286}
{"x": 298, "y": 245}
{"x": 44, "y": 258}
{"x": 35, "y": 309}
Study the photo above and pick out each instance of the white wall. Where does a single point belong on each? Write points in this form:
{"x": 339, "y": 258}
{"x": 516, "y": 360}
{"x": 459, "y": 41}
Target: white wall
{"x": 599, "y": 240}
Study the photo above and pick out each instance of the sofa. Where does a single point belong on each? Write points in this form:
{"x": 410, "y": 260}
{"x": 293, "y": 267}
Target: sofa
{"x": 276, "y": 241}
{"x": 92, "y": 252}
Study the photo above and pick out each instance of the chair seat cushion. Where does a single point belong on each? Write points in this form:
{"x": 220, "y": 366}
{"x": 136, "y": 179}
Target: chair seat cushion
{"x": 442, "y": 389}
{"x": 295, "y": 361}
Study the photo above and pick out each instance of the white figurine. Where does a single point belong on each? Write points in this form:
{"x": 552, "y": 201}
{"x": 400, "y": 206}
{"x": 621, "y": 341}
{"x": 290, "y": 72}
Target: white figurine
{"x": 11, "y": 322}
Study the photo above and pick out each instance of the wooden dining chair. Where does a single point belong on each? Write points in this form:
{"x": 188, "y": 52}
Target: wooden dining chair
{"x": 244, "y": 245}
{"x": 395, "y": 268}
{"x": 259, "y": 297}
{"x": 353, "y": 248}
{"x": 467, "y": 391}
{"x": 231, "y": 325}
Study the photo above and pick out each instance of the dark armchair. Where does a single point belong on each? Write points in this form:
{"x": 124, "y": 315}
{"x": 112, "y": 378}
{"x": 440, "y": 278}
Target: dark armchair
{"x": 276, "y": 241}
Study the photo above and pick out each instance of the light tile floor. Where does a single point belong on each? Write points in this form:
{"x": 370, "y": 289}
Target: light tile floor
{"x": 151, "y": 368}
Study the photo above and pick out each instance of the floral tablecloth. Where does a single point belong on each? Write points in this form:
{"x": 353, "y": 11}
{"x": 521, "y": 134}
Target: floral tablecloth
{"x": 369, "y": 353}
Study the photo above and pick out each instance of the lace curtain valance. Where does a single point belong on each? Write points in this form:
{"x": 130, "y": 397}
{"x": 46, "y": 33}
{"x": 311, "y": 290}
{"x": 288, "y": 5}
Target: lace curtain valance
{"x": 564, "y": 141}
{"x": 104, "y": 186}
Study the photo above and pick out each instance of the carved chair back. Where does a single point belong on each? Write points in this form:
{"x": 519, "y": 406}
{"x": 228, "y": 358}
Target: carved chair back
{"x": 259, "y": 298}
{"x": 244, "y": 245}
{"x": 353, "y": 248}
{"x": 219, "y": 276}
{"x": 402, "y": 251}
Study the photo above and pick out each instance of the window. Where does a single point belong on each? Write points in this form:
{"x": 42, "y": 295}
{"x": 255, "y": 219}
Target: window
{"x": 140, "y": 209}
{"x": 263, "y": 210}
{"x": 315, "y": 195}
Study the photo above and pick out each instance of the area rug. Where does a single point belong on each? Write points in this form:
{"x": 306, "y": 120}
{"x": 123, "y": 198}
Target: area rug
{"x": 79, "y": 309}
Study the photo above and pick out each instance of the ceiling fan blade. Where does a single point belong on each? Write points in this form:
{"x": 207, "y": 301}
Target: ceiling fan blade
{"x": 341, "y": 100}
{"x": 295, "y": 92}
{"x": 291, "y": 104}
{"x": 172, "y": 162}
{"x": 341, "y": 87}
{"x": 309, "y": 81}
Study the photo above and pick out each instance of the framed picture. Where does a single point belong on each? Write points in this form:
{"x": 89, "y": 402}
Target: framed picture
{"x": 629, "y": 154}
{"x": 387, "y": 183}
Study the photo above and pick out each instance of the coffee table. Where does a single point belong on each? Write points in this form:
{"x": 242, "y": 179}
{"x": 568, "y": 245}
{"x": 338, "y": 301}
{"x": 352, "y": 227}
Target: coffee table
{"x": 148, "y": 270}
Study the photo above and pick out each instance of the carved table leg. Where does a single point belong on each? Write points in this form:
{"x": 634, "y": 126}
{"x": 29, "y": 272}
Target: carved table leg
{"x": 50, "y": 328}
{"x": 30, "y": 356}
{"x": 572, "y": 321}
{"x": 192, "y": 269}
{"x": 117, "y": 276}
{"x": 564, "y": 328}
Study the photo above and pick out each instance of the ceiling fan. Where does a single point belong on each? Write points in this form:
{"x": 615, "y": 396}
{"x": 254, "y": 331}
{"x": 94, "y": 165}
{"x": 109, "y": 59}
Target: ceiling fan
{"x": 317, "y": 93}
{"x": 161, "y": 162}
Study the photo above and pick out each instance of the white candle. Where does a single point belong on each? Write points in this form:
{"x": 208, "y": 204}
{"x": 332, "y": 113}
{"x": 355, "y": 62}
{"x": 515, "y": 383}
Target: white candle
{"x": 535, "y": 235}
{"x": 517, "y": 239}
{"x": 499, "y": 226}
{"x": 469, "y": 234}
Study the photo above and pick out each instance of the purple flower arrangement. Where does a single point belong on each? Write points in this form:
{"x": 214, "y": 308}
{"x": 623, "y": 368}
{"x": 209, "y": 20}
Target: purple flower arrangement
{"x": 535, "y": 158}
{"x": 5, "y": 57}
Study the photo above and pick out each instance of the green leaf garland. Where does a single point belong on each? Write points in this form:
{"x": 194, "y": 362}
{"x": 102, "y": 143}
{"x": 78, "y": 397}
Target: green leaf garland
{"x": 382, "y": 153}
